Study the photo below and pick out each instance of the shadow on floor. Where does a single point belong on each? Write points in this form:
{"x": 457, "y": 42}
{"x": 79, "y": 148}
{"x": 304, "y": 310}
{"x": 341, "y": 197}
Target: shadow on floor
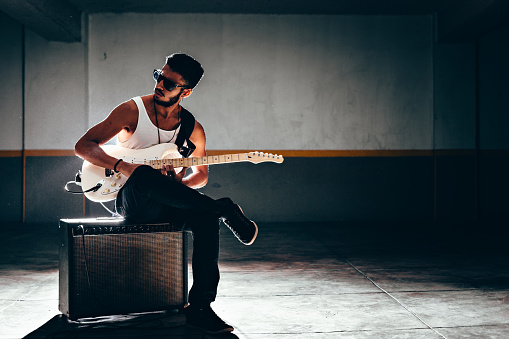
{"x": 153, "y": 325}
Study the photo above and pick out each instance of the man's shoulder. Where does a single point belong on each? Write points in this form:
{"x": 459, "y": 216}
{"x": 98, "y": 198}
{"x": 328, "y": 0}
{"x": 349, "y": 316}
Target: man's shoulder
{"x": 127, "y": 111}
{"x": 145, "y": 98}
{"x": 128, "y": 105}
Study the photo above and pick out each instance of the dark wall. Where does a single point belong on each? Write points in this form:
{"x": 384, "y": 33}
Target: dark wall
{"x": 494, "y": 187}
{"x": 330, "y": 189}
{"x": 452, "y": 187}
{"x": 493, "y": 124}
{"x": 45, "y": 197}
{"x": 11, "y": 182}
{"x": 456, "y": 187}
{"x": 300, "y": 189}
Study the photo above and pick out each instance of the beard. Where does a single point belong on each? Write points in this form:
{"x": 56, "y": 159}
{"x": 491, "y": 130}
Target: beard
{"x": 173, "y": 100}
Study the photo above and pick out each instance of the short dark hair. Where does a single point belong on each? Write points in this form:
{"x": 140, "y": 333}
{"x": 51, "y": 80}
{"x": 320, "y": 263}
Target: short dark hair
{"x": 187, "y": 67}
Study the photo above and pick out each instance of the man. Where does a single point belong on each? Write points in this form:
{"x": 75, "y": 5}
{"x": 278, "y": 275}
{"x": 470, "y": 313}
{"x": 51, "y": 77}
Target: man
{"x": 151, "y": 195}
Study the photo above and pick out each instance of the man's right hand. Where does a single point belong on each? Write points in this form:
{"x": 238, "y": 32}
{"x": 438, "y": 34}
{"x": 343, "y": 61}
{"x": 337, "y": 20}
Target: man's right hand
{"x": 127, "y": 168}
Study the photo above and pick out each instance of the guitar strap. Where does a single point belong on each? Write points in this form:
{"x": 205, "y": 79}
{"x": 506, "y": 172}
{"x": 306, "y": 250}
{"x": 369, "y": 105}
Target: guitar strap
{"x": 185, "y": 146}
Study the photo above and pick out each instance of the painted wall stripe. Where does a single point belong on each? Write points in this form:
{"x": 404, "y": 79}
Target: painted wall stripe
{"x": 10, "y": 154}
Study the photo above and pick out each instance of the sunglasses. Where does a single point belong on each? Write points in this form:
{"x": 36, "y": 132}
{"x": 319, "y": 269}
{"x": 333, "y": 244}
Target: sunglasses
{"x": 167, "y": 83}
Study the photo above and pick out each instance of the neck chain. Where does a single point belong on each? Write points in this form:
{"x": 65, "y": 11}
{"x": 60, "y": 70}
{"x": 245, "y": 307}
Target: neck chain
{"x": 157, "y": 125}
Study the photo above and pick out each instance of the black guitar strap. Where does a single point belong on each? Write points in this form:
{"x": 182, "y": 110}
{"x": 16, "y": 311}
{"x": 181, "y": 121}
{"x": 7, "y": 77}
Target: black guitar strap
{"x": 185, "y": 146}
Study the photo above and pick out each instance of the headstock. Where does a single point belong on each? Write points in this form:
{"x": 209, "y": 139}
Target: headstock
{"x": 257, "y": 157}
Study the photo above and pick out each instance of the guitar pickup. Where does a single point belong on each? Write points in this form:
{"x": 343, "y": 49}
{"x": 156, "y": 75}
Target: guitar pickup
{"x": 108, "y": 172}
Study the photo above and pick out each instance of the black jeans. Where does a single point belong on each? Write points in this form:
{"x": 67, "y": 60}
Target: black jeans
{"x": 149, "y": 196}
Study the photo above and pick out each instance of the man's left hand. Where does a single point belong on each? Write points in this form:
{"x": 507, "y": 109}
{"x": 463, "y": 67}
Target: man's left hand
{"x": 169, "y": 171}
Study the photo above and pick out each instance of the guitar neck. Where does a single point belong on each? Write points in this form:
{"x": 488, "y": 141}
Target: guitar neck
{"x": 197, "y": 161}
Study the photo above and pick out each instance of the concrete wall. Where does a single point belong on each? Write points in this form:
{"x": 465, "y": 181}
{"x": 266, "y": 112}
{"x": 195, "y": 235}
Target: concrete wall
{"x": 43, "y": 93}
{"x": 11, "y": 113}
{"x": 494, "y": 89}
{"x": 311, "y": 80}
{"x": 279, "y": 82}
{"x": 11, "y": 84}
{"x": 55, "y": 93}
{"x": 454, "y": 96}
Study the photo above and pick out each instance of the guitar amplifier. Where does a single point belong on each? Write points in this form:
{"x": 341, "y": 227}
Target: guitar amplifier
{"x": 108, "y": 266}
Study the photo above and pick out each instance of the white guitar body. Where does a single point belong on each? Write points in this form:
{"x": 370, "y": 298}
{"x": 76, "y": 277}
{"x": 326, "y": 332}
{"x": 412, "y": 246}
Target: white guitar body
{"x": 105, "y": 183}
{"x": 111, "y": 182}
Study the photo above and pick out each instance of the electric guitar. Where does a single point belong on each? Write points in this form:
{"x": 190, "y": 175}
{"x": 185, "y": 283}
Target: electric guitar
{"x": 100, "y": 184}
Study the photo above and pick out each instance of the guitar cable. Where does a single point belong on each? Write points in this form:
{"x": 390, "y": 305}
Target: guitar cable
{"x": 92, "y": 291}
{"x": 77, "y": 182}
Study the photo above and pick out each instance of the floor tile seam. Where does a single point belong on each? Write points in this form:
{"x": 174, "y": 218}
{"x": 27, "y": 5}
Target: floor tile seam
{"x": 402, "y": 291}
{"x": 397, "y": 301}
{"x": 28, "y": 300}
{"x": 346, "y": 331}
{"x": 441, "y": 267}
{"x": 30, "y": 272}
{"x": 431, "y": 269}
{"x": 298, "y": 294}
{"x": 285, "y": 269}
{"x": 483, "y": 290}
{"x": 330, "y": 294}
{"x": 288, "y": 263}
{"x": 425, "y": 291}
{"x": 6, "y": 307}
{"x": 473, "y": 326}
{"x": 22, "y": 298}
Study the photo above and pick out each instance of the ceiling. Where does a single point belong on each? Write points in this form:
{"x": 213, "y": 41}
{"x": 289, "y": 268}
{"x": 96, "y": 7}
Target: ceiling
{"x": 457, "y": 20}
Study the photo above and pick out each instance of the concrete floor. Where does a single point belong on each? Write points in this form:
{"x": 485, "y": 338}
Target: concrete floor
{"x": 296, "y": 281}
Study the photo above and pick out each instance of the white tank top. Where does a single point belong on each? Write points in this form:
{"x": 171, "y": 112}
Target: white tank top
{"x": 145, "y": 134}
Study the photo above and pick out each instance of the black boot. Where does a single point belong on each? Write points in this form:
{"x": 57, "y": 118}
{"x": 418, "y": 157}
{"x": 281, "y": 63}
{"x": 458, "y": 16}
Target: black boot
{"x": 244, "y": 229}
{"x": 205, "y": 319}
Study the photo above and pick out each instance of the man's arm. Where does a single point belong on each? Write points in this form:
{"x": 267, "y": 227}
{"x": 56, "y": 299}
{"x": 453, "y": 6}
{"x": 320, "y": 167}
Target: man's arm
{"x": 88, "y": 148}
{"x": 200, "y": 174}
